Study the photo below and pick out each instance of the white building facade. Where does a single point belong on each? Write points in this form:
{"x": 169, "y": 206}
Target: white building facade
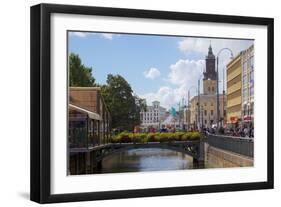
{"x": 248, "y": 85}
{"x": 153, "y": 116}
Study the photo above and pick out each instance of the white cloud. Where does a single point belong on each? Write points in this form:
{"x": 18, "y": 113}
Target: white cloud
{"x": 152, "y": 73}
{"x": 191, "y": 45}
{"x": 201, "y": 45}
{"x": 108, "y": 36}
{"x": 185, "y": 71}
{"x": 165, "y": 95}
{"x": 183, "y": 76}
{"x": 79, "y": 34}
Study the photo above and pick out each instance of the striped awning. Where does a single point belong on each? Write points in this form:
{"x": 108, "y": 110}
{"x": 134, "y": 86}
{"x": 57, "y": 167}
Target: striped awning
{"x": 92, "y": 115}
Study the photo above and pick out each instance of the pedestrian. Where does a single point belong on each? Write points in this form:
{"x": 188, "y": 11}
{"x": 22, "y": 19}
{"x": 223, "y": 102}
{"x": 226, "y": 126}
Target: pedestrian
{"x": 246, "y": 131}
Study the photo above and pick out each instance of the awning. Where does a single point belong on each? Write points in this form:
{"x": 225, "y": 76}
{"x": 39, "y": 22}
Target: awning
{"x": 232, "y": 120}
{"x": 248, "y": 118}
{"x": 92, "y": 115}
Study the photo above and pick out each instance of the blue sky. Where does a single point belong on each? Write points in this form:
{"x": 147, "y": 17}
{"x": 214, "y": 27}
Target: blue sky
{"x": 159, "y": 68}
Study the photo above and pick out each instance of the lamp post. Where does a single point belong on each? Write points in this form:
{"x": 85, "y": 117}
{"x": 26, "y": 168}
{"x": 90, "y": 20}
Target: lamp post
{"x": 218, "y": 97}
{"x": 197, "y": 100}
{"x": 201, "y": 75}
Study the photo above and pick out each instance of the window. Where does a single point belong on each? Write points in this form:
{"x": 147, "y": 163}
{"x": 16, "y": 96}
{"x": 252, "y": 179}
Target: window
{"x": 213, "y": 89}
{"x": 245, "y": 109}
{"x": 205, "y": 112}
{"x": 252, "y": 76}
{"x": 244, "y": 66}
{"x": 252, "y": 62}
{"x": 244, "y": 79}
{"x": 209, "y": 89}
{"x": 212, "y": 112}
{"x": 252, "y": 92}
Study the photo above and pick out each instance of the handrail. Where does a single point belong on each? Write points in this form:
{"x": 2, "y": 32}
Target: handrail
{"x": 239, "y": 145}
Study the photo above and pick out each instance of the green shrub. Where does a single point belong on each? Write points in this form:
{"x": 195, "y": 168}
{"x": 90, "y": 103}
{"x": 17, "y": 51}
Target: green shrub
{"x": 186, "y": 136}
{"x": 126, "y": 137}
{"x": 151, "y": 137}
{"x": 195, "y": 135}
{"x": 178, "y": 136}
{"x": 164, "y": 137}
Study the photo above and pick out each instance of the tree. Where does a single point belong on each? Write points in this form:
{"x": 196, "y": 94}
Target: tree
{"x": 79, "y": 75}
{"x": 124, "y": 107}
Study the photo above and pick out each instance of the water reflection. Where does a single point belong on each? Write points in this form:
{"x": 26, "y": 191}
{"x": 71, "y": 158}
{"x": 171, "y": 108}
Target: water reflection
{"x": 139, "y": 160}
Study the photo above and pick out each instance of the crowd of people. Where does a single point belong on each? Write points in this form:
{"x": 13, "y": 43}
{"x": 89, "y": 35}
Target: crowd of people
{"x": 244, "y": 131}
{"x": 238, "y": 131}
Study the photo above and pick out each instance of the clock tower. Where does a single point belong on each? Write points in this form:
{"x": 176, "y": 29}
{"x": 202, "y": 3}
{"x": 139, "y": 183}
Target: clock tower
{"x": 210, "y": 75}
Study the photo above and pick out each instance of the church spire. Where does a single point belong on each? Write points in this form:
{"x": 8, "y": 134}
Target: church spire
{"x": 210, "y": 52}
{"x": 210, "y": 65}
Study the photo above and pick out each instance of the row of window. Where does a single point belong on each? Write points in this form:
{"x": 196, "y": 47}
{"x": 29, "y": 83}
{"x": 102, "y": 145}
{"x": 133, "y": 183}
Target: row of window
{"x": 209, "y": 89}
{"x": 151, "y": 118}
{"x": 212, "y": 112}
{"x": 248, "y": 109}
{"x": 150, "y": 121}
{"x": 248, "y": 78}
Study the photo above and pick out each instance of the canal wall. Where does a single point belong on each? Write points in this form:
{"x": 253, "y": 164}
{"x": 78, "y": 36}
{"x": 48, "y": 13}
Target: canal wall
{"x": 215, "y": 157}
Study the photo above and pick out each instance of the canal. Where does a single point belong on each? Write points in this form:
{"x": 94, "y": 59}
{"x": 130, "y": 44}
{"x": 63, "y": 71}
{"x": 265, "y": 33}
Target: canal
{"x": 152, "y": 159}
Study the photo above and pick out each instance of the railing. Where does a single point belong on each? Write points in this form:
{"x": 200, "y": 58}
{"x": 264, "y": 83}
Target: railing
{"x": 239, "y": 145}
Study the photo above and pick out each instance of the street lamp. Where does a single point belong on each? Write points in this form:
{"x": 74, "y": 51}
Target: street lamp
{"x": 218, "y": 101}
{"x": 199, "y": 99}
{"x": 193, "y": 87}
{"x": 201, "y": 75}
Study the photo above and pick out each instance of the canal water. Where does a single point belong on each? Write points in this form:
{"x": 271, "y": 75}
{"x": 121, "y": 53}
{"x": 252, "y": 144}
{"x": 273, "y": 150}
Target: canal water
{"x": 140, "y": 160}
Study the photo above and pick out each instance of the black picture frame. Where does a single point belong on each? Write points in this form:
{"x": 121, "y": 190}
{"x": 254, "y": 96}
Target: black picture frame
{"x": 41, "y": 96}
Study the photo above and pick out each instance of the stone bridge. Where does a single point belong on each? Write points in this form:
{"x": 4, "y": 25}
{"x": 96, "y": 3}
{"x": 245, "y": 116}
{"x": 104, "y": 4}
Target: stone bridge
{"x": 220, "y": 150}
{"x": 96, "y": 154}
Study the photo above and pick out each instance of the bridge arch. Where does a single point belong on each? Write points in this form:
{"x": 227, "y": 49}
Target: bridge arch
{"x": 191, "y": 148}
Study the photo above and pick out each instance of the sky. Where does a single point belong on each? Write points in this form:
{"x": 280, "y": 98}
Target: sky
{"x": 161, "y": 68}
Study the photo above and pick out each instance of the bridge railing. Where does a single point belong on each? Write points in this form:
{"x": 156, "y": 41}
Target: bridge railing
{"x": 239, "y": 145}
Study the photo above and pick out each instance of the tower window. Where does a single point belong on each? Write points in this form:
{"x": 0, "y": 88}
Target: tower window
{"x": 213, "y": 89}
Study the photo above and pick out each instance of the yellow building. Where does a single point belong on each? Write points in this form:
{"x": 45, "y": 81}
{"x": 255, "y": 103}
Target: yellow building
{"x": 234, "y": 84}
{"x": 206, "y": 115}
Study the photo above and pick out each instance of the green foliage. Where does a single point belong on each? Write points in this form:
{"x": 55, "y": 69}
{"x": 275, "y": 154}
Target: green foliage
{"x": 126, "y": 137}
{"x": 195, "y": 135}
{"x": 118, "y": 95}
{"x": 124, "y": 107}
{"x": 79, "y": 75}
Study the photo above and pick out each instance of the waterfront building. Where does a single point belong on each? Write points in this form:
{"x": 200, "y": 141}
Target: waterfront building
{"x": 89, "y": 124}
{"x": 153, "y": 116}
